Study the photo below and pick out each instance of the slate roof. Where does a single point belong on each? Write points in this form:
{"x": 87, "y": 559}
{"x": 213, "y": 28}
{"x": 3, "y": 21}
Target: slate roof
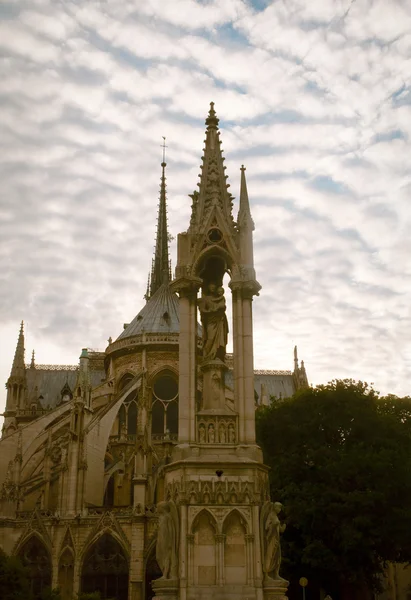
{"x": 159, "y": 315}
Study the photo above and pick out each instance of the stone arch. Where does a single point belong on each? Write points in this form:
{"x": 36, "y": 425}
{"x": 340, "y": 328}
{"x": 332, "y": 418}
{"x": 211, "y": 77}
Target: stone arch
{"x": 204, "y": 550}
{"x": 36, "y": 557}
{"x": 235, "y": 548}
{"x": 105, "y": 567}
{"x": 66, "y": 573}
{"x": 124, "y": 380}
{"x": 213, "y": 252}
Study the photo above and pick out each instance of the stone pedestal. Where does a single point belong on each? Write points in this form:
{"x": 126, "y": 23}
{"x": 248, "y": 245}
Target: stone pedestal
{"x": 165, "y": 589}
{"x": 213, "y": 384}
{"x": 275, "y": 589}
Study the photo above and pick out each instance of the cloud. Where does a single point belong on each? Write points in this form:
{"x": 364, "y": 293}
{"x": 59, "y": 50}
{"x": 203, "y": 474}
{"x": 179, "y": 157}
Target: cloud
{"x": 312, "y": 97}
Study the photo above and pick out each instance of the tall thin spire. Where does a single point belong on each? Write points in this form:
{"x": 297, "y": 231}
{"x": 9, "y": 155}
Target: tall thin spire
{"x": 19, "y": 369}
{"x": 244, "y": 213}
{"x": 213, "y": 187}
{"x": 160, "y": 272}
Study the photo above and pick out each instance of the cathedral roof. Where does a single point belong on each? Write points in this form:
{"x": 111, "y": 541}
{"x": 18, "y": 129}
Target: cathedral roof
{"x": 159, "y": 315}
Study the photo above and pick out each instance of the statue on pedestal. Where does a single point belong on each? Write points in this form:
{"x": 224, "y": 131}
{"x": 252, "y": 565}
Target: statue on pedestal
{"x": 167, "y": 539}
{"x": 212, "y": 307}
{"x": 270, "y": 530}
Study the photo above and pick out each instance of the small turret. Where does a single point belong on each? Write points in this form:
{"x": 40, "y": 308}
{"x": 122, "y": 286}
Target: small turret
{"x": 245, "y": 226}
{"x": 17, "y": 382}
{"x": 299, "y": 374}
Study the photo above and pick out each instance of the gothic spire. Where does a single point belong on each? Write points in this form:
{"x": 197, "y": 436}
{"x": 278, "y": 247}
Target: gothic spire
{"x": 160, "y": 271}
{"x": 244, "y": 213}
{"x": 213, "y": 189}
{"x": 19, "y": 369}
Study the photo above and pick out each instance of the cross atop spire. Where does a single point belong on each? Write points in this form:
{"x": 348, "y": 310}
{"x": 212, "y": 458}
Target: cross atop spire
{"x": 160, "y": 270}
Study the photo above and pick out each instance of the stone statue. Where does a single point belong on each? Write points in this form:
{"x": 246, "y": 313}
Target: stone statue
{"x": 167, "y": 539}
{"x": 212, "y": 307}
{"x": 270, "y": 530}
{"x": 222, "y": 434}
{"x": 231, "y": 434}
{"x": 202, "y": 434}
{"x": 211, "y": 434}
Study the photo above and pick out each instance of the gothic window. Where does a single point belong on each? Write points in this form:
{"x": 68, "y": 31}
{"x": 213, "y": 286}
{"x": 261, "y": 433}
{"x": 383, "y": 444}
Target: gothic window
{"x": 66, "y": 573}
{"x": 121, "y": 419}
{"x": 157, "y": 417}
{"x": 105, "y": 569}
{"x": 172, "y": 417}
{"x": 109, "y": 493}
{"x": 36, "y": 558}
{"x": 165, "y": 405}
{"x": 125, "y": 380}
{"x": 132, "y": 419}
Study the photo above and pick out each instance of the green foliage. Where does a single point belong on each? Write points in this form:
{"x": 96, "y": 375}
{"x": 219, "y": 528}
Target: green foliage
{"x": 340, "y": 461}
{"x": 14, "y": 580}
{"x": 89, "y": 596}
{"x": 50, "y": 594}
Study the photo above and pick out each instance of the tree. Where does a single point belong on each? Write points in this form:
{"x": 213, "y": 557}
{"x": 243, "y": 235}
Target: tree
{"x": 340, "y": 461}
{"x": 14, "y": 578}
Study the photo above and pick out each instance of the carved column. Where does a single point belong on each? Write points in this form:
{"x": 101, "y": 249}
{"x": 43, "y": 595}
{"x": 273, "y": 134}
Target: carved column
{"x": 248, "y": 367}
{"x": 238, "y": 358}
{"x": 187, "y": 289}
{"x": 258, "y": 569}
{"x": 190, "y": 569}
{"x": 183, "y": 550}
{"x": 249, "y": 540}
{"x": 220, "y": 575}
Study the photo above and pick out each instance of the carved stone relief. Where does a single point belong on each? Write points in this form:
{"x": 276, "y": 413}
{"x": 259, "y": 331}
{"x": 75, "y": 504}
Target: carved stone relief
{"x": 216, "y": 430}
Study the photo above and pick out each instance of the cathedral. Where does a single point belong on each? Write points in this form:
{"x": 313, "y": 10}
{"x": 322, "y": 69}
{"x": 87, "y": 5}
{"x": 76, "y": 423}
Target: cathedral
{"x": 136, "y": 473}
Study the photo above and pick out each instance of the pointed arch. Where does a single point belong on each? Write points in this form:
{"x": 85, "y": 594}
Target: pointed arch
{"x": 105, "y": 567}
{"x": 66, "y": 573}
{"x": 204, "y": 553}
{"x": 124, "y": 380}
{"x": 36, "y": 557}
{"x": 235, "y": 550}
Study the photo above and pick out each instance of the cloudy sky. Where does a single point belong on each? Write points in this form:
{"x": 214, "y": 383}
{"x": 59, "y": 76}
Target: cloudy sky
{"x": 313, "y": 97}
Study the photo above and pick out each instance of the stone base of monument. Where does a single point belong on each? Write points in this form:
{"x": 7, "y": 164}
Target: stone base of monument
{"x": 275, "y": 589}
{"x": 214, "y": 384}
{"x": 165, "y": 589}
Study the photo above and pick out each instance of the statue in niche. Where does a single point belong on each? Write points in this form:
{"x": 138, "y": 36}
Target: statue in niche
{"x": 270, "y": 530}
{"x": 231, "y": 434}
{"x": 211, "y": 434}
{"x": 212, "y": 307}
{"x": 201, "y": 434}
{"x": 167, "y": 539}
{"x": 222, "y": 434}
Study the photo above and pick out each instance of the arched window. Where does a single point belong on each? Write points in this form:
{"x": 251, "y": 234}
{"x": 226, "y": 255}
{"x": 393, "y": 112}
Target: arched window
{"x": 36, "y": 558}
{"x": 165, "y": 405}
{"x": 157, "y": 417}
{"x": 109, "y": 493}
{"x": 66, "y": 573}
{"x": 121, "y": 419}
{"x": 172, "y": 417}
{"x": 132, "y": 419}
{"x": 105, "y": 569}
{"x": 125, "y": 380}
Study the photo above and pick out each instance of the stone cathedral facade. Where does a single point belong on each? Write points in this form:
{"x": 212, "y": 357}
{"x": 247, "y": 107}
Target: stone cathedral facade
{"x": 136, "y": 472}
